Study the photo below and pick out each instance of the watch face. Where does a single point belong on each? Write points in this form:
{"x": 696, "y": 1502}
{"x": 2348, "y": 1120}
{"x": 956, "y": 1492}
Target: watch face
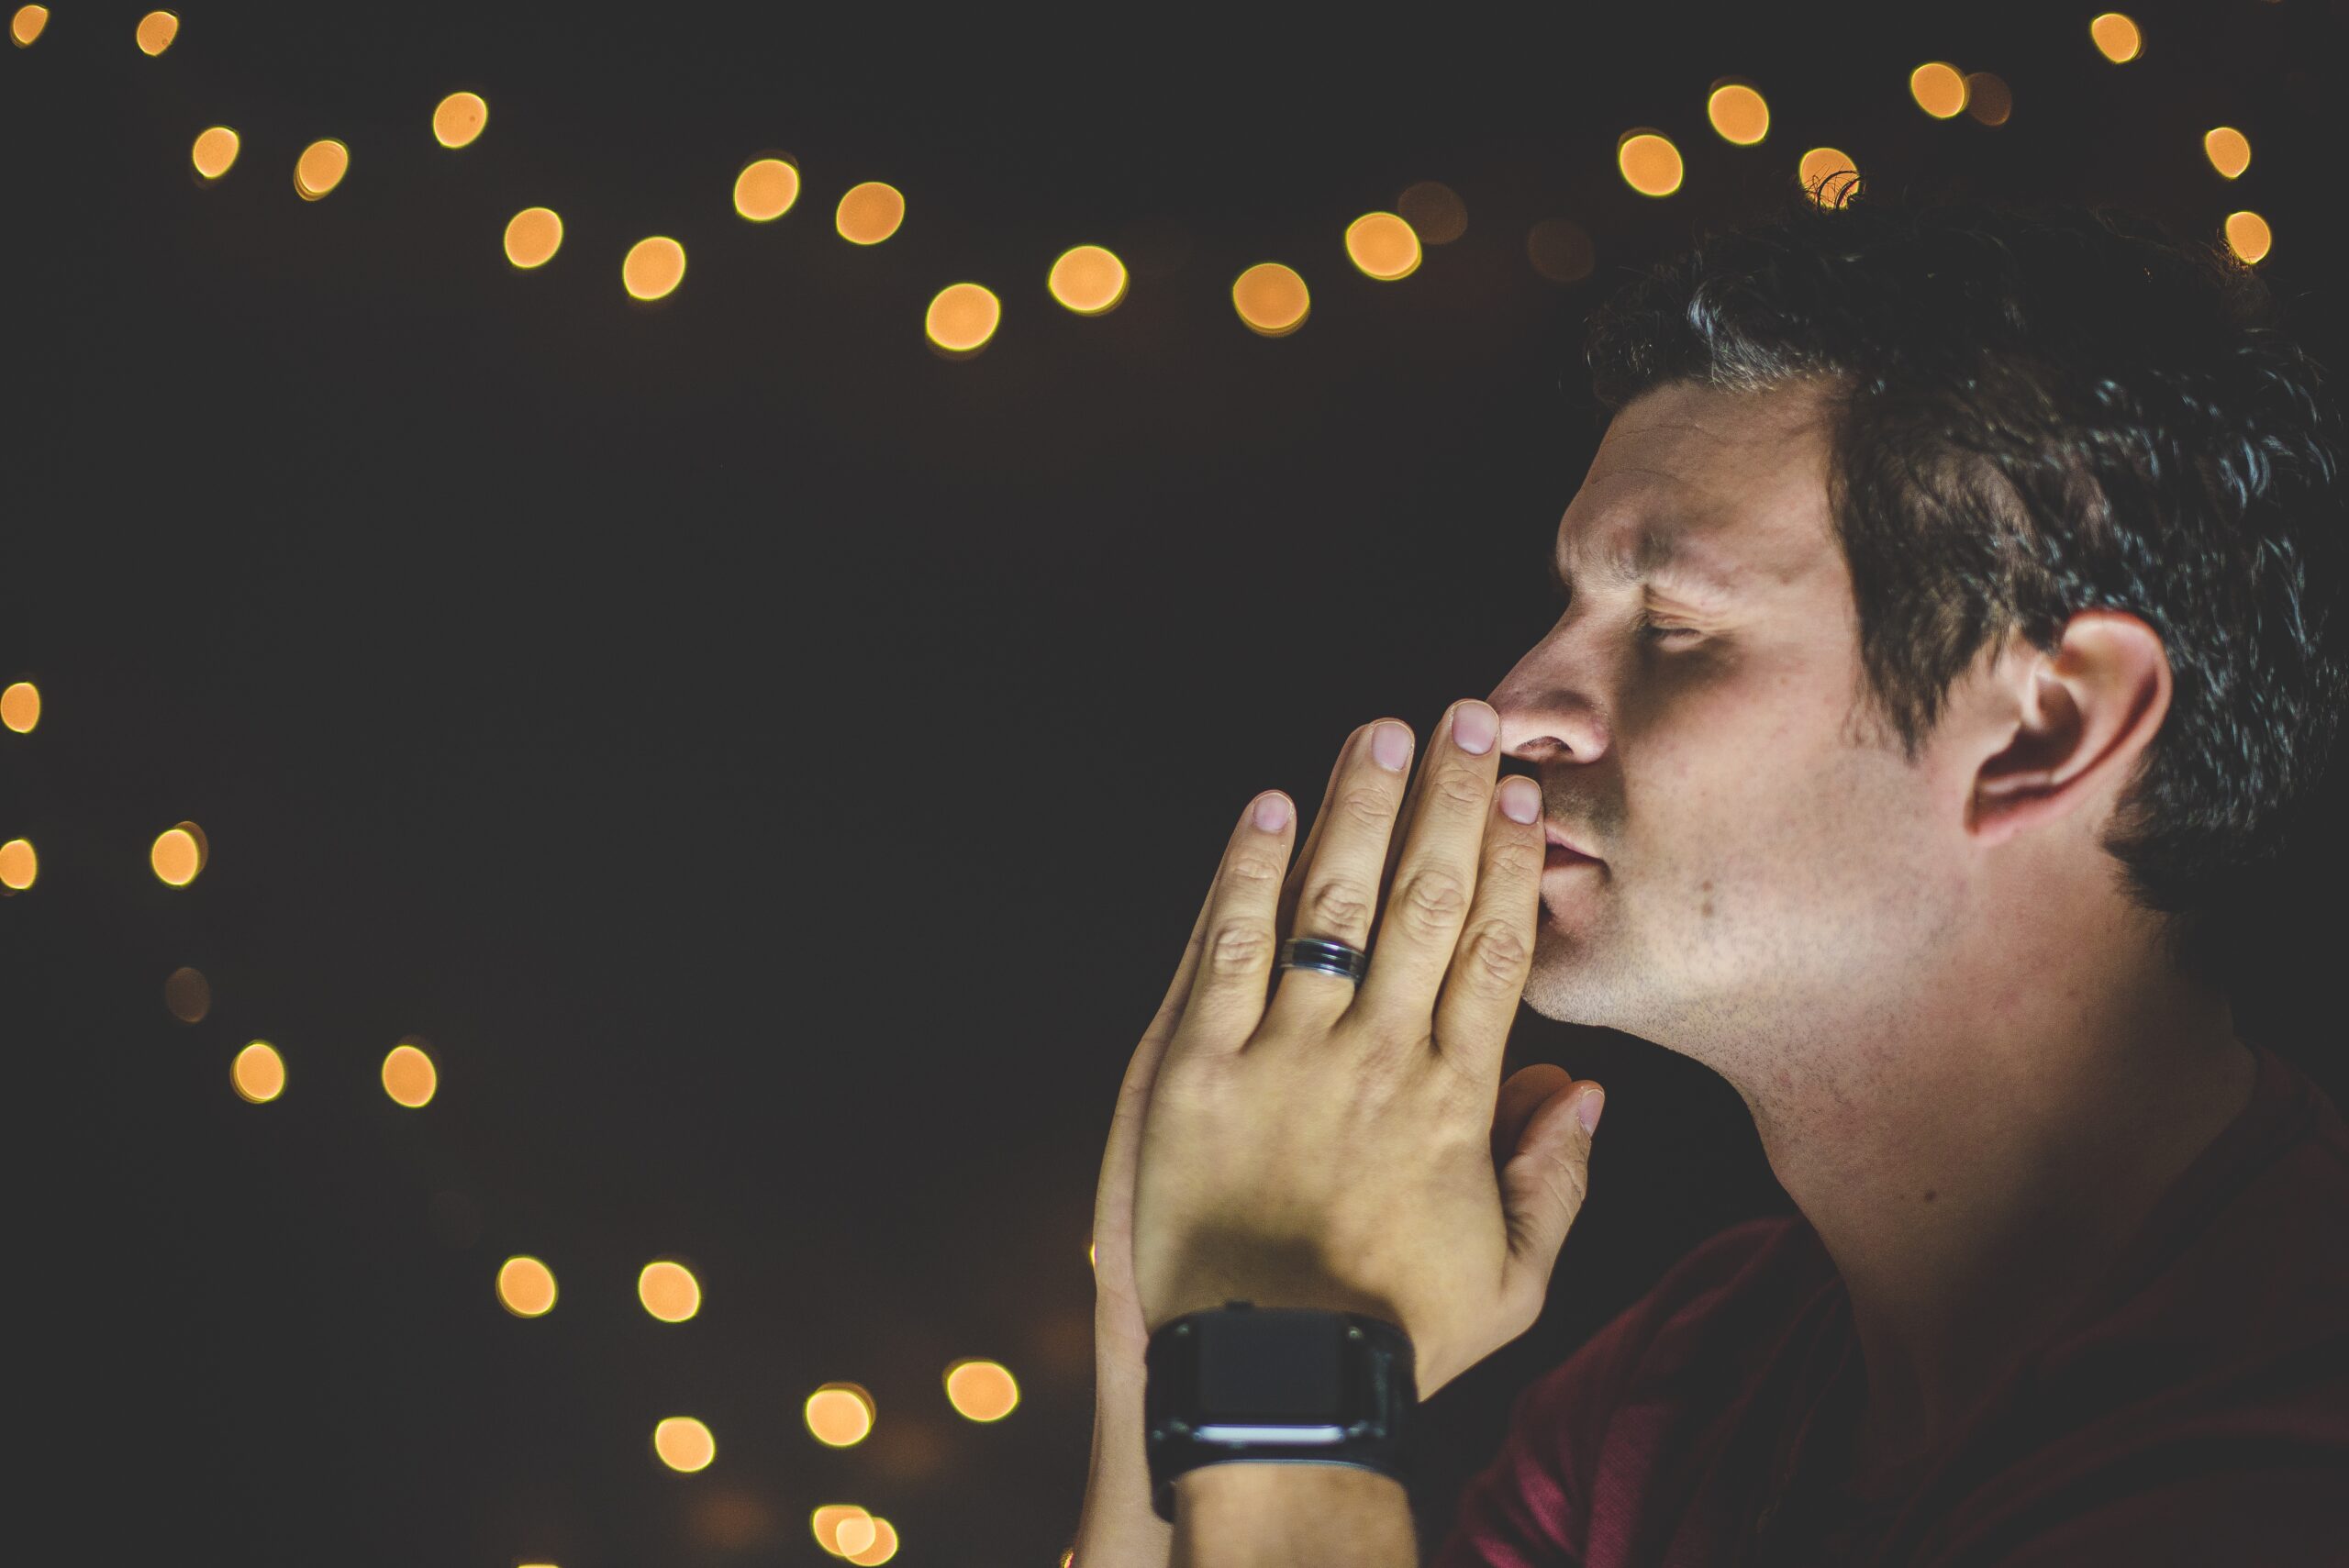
{"x": 1268, "y": 1366}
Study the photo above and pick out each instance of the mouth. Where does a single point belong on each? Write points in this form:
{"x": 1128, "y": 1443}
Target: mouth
{"x": 1562, "y": 853}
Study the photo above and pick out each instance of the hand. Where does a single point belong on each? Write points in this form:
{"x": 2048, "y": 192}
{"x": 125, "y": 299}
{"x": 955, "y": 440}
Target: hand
{"x": 1289, "y": 1140}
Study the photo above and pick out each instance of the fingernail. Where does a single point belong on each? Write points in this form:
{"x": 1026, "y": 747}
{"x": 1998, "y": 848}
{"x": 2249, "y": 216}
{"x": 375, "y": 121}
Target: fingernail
{"x": 1390, "y": 745}
{"x": 1271, "y": 812}
{"x": 1474, "y": 726}
{"x": 1520, "y": 799}
{"x": 1586, "y": 1108}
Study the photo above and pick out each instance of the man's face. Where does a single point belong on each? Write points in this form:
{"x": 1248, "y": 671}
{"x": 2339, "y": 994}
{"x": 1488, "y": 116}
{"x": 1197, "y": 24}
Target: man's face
{"x": 1765, "y": 857}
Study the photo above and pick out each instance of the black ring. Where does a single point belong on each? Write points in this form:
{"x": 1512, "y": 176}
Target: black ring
{"x": 1328, "y": 957}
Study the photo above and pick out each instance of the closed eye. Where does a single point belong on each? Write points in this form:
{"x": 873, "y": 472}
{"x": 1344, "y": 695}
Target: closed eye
{"x": 1655, "y": 633}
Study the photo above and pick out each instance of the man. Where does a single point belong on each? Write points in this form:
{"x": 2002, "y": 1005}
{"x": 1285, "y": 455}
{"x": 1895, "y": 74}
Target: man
{"x": 1954, "y": 606}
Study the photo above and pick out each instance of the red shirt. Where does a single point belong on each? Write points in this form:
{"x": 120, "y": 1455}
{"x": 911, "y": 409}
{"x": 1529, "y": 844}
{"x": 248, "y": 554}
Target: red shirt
{"x": 2194, "y": 1410}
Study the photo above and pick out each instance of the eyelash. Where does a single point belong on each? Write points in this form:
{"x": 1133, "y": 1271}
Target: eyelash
{"x": 1646, "y": 628}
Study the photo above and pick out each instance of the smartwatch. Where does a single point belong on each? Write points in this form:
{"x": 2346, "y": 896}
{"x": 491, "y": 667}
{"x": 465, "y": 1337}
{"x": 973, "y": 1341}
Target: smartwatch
{"x": 1278, "y": 1385}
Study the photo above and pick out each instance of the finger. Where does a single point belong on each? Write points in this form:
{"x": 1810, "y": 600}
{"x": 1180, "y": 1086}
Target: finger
{"x": 1437, "y": 876}
{"x": 1293, "y": 889}
{"x": 1339, "y": 898}
{"x": 1226, "y": 1001}
{"x": 1486, "y": 975}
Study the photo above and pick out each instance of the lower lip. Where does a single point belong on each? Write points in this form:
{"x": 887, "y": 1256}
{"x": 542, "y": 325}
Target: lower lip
{"x": 1559, "y": 855}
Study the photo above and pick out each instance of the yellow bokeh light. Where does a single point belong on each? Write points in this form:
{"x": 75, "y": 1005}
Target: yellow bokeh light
{"x": 2248, "y": 236}
{"x": 20, "y": 707}
{"x": 459, "y": 119}
{"x": 1739, "y": 114}
{"x": 2117, "y": 38}
{"x": 27, "y": 23}
{"x": 1829, "y": 176}
{"x": 843, "y": 1528}
{"x": 684, "y": 1443}
{"x": 870, "y": 213}
{"x": 1383, "y": 246}
{"x": 1270, "y": 299}
{"x": 766, "y": 189}
{"x": 1560, "y": 251}
{"x": 320, "y": 168}
{"x": 884, "y": 1547}
{"x": 1987, "y": 98}
{"x": 669, "y": 1291}
{"x": 187, "y": 995}
{"x": 409, "y": 1076}
{"x": 982, "y": 1390}
{"x": 839, "y": 1414}
{"x": 526, "y": 1288}
{"x": 1939, "y": 89}
{"x": 1092, "y": 1255}
{"x": 1651, "y": 164}
{"x": 19, "y": 867}
{"x": 533, "y": 236}
{"x": 258, "y": 1073}
{"x": 963, "y": 317}
{"x": 156, "y": 31}
{"x": 1434, "y": 211}
{"x": 653, "y": 267}
{"x": 1088, "y": 279}
{"x": 215, "y": 151}
{"x": 178, "y": 852}
{"x": 2227, "y": 149}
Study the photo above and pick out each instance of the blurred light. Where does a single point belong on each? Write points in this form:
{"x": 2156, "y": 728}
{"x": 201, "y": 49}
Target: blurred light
{"x": 764, "y": 190}
{"x": 1271, "y": 298}
{"x": 843, "y": 1528}
{"x": 258, "y": 1073}
{"x": 1829, "y": 165}
{"x": 27, "y": 23}
{"x": 839, "y": 1414}
{"x": 20, "y": 707}
{"x": 2248, "y": 234}
{"x": 653, "y": 267}
{"x": 1987, "y": 98}
{"x": 533, "y": 236}
{"x": 2117, "y": 38}
{"x": 1092, "y": 1258}
{"x": 684, "y": 1443}
{"x": 187, "y": 995}
{"x": 1434, "y": 211}
{"x": 884, "y": 1547}
{"x": 18, "y": 864}
{"x": 963, "y": 317}
{"x": 1088, "y": 280}
{"x": 1938, "y": 90}
{"x": 1560, "y": 251}
{"x": 982, "y": 1390}
{"x": 320, "y": 168}
{"x": 1739, "y": 114}
{"x": 2228, "y": 149}
{"x": 526, "y": 1288}
{"x": 1651, "y": 164}
{"x": 870, "y": 213}
{"x": 214, "y": 151}
{"x": 459, "y": 118}
{"x": 178, "y": 852}
{"x": 669, "y": 1291}
{"x": 409, "y": 1076}
{"x": 1383, "y": 246}
{"x": 156, "y": 31}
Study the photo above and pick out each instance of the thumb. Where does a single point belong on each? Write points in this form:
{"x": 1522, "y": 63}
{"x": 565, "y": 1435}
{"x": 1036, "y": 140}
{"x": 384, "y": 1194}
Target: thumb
{"x": 1544, "y": 1180}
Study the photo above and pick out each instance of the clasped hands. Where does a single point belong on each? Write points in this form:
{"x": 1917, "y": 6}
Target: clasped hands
{"x": 1288, "y": 1139}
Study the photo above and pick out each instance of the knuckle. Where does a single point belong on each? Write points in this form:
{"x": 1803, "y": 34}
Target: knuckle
{"x": 1364, "y": 808}
{"x": 1239, "y": 949}
{"x": 1432, "y": 895}
{"x": 1255, "y": 870}
{"x": 1519, "y": 857}
{"x": 1335, "y": 904}
{"x": 1495, "y": 951}
{"x": 1461, "y": 789}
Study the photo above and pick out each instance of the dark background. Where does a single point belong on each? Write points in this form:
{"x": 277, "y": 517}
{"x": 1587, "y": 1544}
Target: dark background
{"x": 775, "y": 767}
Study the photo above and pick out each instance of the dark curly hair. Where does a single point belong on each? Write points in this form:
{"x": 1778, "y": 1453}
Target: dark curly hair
{"x": 2038, "y": 410}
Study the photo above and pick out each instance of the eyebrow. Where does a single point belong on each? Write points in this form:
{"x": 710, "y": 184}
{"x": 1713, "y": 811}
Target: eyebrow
{"x": 1654, "y": 557}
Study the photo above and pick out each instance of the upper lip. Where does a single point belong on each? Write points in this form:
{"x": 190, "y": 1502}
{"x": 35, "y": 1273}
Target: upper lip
{"x": 1556, "y": 835}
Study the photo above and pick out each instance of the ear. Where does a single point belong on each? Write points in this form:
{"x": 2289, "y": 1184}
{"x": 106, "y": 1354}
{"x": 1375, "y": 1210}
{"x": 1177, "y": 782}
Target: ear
{"x": 2080, "y": 721}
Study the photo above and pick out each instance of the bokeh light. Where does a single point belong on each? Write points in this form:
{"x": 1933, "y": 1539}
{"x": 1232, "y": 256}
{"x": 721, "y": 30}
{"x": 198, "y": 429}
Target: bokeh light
{"x": 839, "y": 1414}
{"x": 982, "y": 1390}
{"x": 1829, "y": 176}
{"x": 1383, "y": 246}
{"x": 963, "y": 317}
{"x": 215, "y": 151}
{"x": 1434, "y": 211}
{"x": 320, "y": 168}
{"x": 533, "y": 236}
{"x": 20, "y": 707}
{"x": 459, "y": 119}
{"x": 1939, "y": 89}
{"x": 766, "y": 189}
{"x": 2248, "y": 236}
{"x": 19, "y": 867}
{"x": 1560, "y": 249}
{"x": 1270, "y": 299}
{"x": 258, "y": 1073}
{"x": 526, "y": 1288}
{"x": 27, "y": 23}
{"x": 2227, "y": 149}
{"x": 842, "y": 1528}
{"x": 684, "y": 1443}
{"x": 1088, "y": 279}
{"x": 156, "y": 31}
{"x": 1987, "y": 98}
{"x": 2117, "y": 38}
{"x": 653, "y": 267}
{"x": 884, "y": 1547}
{"x": 409, "y": 1076}
{"x": 178, "y": 853}
{"x": 669, "y": 1291}
{"x": 187, "y": 995}
{"x": 1739, "y": 114}
{"x": 870, "y": 213}
{"x": 1650, "y": 163}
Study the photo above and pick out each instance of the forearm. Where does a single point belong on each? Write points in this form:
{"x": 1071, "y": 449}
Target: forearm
{"x": 1239, "y": 1514}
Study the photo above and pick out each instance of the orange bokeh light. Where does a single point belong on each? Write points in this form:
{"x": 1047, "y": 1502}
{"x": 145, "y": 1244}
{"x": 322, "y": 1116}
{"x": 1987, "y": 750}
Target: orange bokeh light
{"x": 1434, "y": 211}
{"x": 19, "y": 866}
{"x": 27, "y": 23}
{"x": 20, "y": 707}
{"x": 1651, "y": 164}
{"x": 178, "y": 853}
{"x": 870, "y": 213}
{"x": 653, "y": 267}
{"x": 766, "y": 189}
{"x": 156, "y": 31}
{"x": 1270, "y": 299}
{"x": 409, "y": 1077}
{"x": 1739, "y": 114}
{"x": 669, "y": 1291}
{"x": 1829, "y": 176}
{"x": 2248, "y": 236}
{"x": 258, "y": 1073}
{"x": 2227, "y": 149}
{"x": 526, "y": 1288}
{"x": 215, "y": 151}
{"x": 684, "y": 1443}
{"x": 884, "y": 1547}
{"x": 982, "y": 1390}
{"x": 532, "y": 236}
{"x": 1383, "y": 246}
{"x": 2117, "y": 38}
{"x": 320, "y": 168}
{"x": 839, "y": 1414}
{"x": 842, "y": 1528}
{"x": 1088, "y": 279}
{"x": 459, "y": 119}
{"x": 1939, "y": 89}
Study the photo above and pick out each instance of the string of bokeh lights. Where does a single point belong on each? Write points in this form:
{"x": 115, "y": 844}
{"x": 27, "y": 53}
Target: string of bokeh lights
{"x": 1270, "y": 298}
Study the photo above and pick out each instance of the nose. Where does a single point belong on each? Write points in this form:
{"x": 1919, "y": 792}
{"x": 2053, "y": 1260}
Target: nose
{"x": 1545, "y": 717}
